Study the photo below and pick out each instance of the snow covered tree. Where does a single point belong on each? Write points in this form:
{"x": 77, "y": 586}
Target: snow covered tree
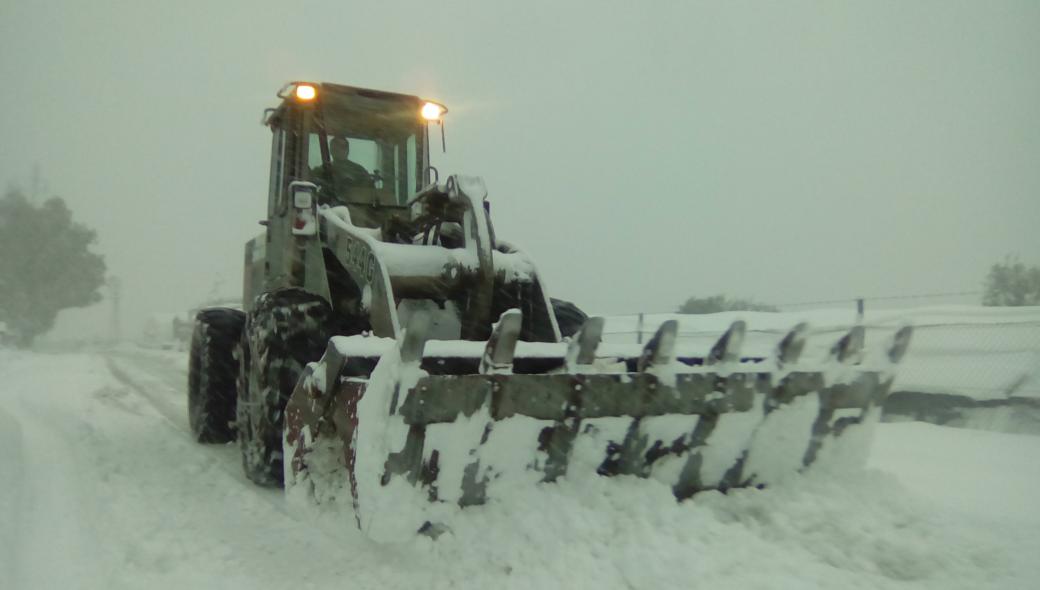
{"x": 1012, "y": 283}
{"x": 45, "y": 265}
{"x": 717, "y": 303}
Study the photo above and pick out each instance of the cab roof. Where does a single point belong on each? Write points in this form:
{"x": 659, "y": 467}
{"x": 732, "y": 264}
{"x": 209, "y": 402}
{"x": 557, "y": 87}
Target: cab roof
{"x": 343, "y": 89}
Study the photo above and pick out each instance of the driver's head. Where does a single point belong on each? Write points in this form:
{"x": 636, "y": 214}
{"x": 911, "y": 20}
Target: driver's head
{"x": 339, "y": 148}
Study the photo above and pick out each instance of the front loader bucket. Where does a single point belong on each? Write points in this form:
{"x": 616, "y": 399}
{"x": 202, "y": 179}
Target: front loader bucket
{"x": 404, "y": 433}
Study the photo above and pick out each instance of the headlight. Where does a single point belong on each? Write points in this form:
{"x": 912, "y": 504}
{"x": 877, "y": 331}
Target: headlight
{"x": 432, "y": 111}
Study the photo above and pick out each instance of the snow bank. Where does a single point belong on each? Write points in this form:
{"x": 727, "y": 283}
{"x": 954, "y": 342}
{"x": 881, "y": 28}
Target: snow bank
{"x": 988, "y": 475}
{"x": 860, "y": 531}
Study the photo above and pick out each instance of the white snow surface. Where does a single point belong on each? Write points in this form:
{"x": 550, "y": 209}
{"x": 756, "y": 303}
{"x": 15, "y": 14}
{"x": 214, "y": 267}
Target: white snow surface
{"x": 104, "y": 488}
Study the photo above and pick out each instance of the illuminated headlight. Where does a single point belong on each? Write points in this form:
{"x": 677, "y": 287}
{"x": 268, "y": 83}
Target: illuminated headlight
{"x": 306, "y": 92}
{"x": 432, "y": 111}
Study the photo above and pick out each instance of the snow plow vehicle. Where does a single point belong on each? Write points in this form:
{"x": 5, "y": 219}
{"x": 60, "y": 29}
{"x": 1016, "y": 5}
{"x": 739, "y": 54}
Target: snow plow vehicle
{"x": 399, "y": 360}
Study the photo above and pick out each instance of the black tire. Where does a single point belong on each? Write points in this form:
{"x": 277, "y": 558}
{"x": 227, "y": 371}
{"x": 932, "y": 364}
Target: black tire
{"x": 287, "y": 329}
{"x": 569, "y": 318}
{"x": 212, "y": 371}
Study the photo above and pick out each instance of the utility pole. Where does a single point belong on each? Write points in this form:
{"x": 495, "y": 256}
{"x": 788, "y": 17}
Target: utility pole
{"x": 115, "y": 285}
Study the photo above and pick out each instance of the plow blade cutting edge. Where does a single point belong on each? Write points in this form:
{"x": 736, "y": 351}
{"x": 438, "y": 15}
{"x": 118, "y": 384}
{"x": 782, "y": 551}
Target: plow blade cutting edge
{"x": 401, "y": 434}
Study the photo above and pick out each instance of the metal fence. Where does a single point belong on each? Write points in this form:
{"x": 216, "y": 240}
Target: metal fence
{"x": 982, "y": 353}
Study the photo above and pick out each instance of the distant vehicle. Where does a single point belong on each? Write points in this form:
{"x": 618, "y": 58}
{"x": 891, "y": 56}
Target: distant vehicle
{"x": 173, "y": 330}
{"x": 168, "y": 331}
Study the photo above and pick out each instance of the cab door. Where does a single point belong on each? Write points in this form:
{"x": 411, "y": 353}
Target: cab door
{"x": 282, "y": 264}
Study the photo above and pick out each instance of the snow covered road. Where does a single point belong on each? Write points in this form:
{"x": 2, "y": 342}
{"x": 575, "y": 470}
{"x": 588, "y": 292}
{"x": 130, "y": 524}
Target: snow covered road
{"x": 103, "y": 488}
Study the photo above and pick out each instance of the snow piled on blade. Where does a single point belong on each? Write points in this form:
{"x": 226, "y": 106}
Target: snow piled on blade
{"x": 395, "y": 509}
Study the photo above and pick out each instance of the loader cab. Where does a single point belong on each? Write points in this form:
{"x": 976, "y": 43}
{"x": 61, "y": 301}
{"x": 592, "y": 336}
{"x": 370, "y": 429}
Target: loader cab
{"x": 385, "y": 134}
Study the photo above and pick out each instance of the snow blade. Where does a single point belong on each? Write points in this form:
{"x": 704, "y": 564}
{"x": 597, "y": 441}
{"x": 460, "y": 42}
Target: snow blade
{"x": 727, "y": 349}
{"x": 498, "y": 356}
{"x": 474, "y": 420}
{"x": 582, "y": 349}
{"x": 658, "y": 351}
{"x": 790, "y": 348}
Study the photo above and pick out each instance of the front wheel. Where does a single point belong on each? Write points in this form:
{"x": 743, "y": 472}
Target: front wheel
{"x": 287, "y": 329}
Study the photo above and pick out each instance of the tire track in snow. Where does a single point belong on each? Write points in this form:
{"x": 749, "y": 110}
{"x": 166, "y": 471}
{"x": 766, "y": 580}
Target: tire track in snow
{"x": 162, "y": 404}
{"x": 155, "y": 384}
{"x": 44, "y": 463}
{"x": 161, "y": 385}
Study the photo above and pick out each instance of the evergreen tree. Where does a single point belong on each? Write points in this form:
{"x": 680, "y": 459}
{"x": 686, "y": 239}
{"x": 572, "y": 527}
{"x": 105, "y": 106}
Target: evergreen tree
{"x": 717, "y": 303}
{"x": 45, "y": 265}
{"x": 1011, "y": 283}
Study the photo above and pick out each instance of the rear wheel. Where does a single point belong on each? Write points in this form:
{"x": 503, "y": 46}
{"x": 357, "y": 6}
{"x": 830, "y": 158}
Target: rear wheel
{"x": 286, "y": 330}
{"x": 212, "y": 370}
{"x": 569, "y": 317}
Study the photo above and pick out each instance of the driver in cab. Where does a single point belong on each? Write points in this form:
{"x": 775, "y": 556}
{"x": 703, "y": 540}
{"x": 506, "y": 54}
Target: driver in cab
{"x": 346, "y": 174}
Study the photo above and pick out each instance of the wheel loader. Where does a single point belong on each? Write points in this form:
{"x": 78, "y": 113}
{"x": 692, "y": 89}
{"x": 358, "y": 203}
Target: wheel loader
{"x": 398, "y": 360}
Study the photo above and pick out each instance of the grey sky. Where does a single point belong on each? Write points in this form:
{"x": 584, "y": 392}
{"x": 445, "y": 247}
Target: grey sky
{"x": 641, "y": 152}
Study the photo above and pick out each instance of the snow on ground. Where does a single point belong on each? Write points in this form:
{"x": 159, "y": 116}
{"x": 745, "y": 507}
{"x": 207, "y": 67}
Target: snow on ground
{"x": 103, "y": 488}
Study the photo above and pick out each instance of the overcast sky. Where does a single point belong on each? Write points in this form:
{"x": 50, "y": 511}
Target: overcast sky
{"x": 641, "y": 152}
